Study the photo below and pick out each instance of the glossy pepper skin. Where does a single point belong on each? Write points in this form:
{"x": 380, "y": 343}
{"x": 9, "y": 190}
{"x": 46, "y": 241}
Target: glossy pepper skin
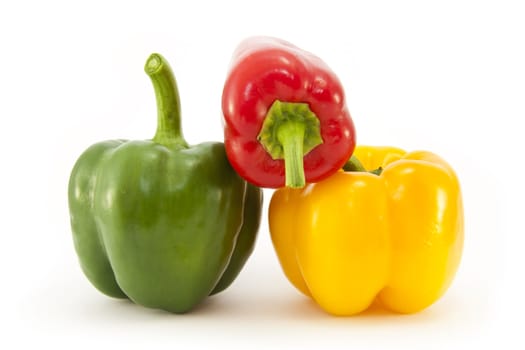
{"x": 285, "y": 117}
{"x": 158, "y": 221}
{"x": 395, "y": 238}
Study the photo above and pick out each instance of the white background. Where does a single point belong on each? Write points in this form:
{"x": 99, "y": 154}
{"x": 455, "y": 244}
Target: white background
{"x": 446, "y": 76}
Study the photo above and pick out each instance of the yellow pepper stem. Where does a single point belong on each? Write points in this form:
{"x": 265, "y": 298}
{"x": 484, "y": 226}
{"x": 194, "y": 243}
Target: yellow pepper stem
{"x": 354, "y": 164}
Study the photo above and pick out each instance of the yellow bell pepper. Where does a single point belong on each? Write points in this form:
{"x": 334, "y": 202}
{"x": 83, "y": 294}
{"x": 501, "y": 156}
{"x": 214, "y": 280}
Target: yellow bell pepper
{"x": 356, "y": 237}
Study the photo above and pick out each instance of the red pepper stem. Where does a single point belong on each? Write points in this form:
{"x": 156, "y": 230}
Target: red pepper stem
{"x": 291, "y": 137}
{"x": 290, "y": 131}
{"x": 169, "y": 132}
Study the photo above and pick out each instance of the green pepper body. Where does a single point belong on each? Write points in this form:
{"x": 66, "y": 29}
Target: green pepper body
{"x": 158, "y": 221}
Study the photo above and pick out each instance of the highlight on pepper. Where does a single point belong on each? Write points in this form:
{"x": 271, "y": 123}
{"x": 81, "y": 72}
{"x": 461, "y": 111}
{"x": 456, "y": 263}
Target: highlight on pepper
{"x": 395, "y": 238}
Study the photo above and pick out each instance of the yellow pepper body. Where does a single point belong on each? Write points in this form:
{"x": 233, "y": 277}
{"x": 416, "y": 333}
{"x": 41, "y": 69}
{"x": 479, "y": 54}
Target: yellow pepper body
{"x": 357, "y": 237}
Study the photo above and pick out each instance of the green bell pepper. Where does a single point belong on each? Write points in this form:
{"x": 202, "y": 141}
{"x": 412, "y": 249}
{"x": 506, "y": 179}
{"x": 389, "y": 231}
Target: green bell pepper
{"x": 157, "y": 221}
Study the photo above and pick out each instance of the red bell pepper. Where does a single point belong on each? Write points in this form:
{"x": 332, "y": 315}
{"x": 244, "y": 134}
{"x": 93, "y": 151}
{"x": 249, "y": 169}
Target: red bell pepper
{"x": 285, "y": 116}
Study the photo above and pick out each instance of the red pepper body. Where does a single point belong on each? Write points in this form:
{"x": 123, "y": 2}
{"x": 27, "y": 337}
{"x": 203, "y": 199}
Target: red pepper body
{"x": 267, "y": 69}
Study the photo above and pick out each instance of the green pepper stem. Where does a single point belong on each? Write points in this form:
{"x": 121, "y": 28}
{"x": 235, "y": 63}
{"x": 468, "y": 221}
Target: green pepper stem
{"x": 169, "y": 132}
{"x": 291, "y": 137}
